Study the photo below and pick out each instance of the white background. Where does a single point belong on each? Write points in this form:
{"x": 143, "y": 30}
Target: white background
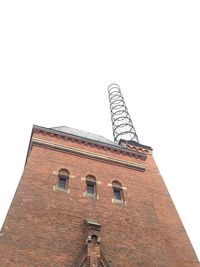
{"x": 57, "y": 59}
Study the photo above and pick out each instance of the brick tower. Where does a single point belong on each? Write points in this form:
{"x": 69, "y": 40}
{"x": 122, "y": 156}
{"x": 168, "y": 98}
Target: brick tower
{"x": 86, "y": 201}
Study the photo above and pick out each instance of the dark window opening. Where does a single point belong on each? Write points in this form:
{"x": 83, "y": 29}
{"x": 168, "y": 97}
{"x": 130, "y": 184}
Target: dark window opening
{"x": 94, "y": 239}
{"x": 117, "y": 191}
{"x": 117, "y": 194}
{"x": 62, "y": 182}
{"x": 90, "y": 188}
{"x": 63, "y": 179}
{"x": 91, "y": 185}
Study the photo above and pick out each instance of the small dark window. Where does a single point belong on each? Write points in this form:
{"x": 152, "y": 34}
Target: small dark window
{"x": 91, "y": 185}
{"x": 62, "y": 182}
{"x": 117, "y": 191}
{"x": 90, "y": 188}
{"x": 63, "y": 179}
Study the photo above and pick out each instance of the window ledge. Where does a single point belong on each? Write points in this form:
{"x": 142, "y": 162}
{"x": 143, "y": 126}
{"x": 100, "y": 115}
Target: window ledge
{"x": 60, "y": 189}
{"x": 117, "y": 201}
{"x": 91, "y": 195}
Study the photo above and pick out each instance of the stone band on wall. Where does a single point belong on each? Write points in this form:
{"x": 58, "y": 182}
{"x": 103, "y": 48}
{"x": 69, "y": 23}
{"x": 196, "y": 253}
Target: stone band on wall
{"x": 80, "y": 152}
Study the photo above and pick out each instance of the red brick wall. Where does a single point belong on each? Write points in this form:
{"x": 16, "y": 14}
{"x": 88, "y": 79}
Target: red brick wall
{"x": 45, "y": 227}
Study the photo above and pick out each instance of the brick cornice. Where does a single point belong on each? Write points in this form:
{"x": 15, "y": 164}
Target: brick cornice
{"x": 118, "y": 149}
{"x": 88, "y": 154}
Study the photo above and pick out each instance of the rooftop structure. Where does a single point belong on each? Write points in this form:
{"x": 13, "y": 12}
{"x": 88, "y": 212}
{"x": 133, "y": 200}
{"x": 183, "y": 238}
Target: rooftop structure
{"x": 121, "y": 120}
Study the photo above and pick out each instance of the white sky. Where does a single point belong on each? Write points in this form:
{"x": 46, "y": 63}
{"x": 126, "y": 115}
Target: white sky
{"x": 57, "y": 59}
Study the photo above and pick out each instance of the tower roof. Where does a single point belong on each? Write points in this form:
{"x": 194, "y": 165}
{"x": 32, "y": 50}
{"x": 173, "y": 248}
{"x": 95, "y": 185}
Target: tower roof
{"x": 84, "y": 134}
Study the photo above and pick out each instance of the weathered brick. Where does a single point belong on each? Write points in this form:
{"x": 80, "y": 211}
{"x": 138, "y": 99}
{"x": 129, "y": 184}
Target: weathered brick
{"x": 45, "y": 226}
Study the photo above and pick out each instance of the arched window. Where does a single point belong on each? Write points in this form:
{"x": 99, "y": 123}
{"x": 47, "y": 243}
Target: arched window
{"x": 63, "y": 179}
{"x": 117, "y": 191}
{"x": 91, "y": 185}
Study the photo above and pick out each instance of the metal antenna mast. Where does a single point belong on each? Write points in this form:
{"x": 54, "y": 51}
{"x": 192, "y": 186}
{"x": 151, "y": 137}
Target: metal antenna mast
{"x": 121, "y": 121}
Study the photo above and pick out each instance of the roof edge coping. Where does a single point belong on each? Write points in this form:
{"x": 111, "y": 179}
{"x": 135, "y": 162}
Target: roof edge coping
{"x": 121, "y": 148}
